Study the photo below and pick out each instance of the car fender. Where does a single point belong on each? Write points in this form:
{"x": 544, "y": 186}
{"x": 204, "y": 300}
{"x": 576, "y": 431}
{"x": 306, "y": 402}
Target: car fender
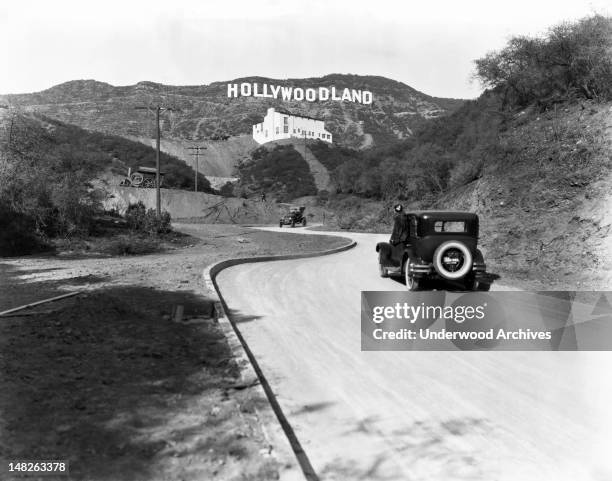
{"x": 384, "y": 248}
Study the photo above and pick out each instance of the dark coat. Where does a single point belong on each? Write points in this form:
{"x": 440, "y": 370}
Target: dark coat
{"x": 400, "y": 229}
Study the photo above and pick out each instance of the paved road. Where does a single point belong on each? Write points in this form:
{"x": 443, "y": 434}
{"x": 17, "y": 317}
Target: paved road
{"x": 414, "y": 415}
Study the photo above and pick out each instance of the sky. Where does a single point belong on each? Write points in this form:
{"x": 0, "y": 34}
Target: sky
{"x": 427, "y": 44}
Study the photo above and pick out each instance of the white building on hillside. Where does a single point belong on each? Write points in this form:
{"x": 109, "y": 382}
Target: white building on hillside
{"x": 279, "y": 124}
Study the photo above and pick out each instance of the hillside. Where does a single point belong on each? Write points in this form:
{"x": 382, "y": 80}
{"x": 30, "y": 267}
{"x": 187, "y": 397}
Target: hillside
{"x": 103, "y": 157}
{"x": 395, "y": 112}
{"x": 546, "y": 204}
{"x": 279, "y": 170}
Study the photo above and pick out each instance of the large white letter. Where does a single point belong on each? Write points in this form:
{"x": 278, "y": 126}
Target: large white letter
{"x": 367, "y": 97}
{"x": 323, "y": 90}
{"x": 356, "y": 95}
{"x": 245, "y": 90}
{"x": 334, "y": 96}
{"x": 256, "y": 92}
{"x": 286, "y": 92}
{"x": 232, "y": 90}
{"x": 346, "y": 95}
{"x": 275, "y": 89}
{"x": 311, "y": 95}
{"x": 295, "y": 94}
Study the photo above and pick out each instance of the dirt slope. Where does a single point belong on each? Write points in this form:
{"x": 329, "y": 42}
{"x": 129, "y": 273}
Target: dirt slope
{"x": 546, "y": 208}
{"x": 219, "y": 157}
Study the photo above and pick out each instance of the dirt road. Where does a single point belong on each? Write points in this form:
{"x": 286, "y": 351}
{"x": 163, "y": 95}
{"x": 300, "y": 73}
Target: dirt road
{"x": 413, "y": 415}
{"x": 110, "y": 382}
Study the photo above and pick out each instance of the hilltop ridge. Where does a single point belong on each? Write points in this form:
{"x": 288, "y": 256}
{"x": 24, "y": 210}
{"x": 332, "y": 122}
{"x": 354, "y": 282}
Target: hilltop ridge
{"x": 203, "y": 110}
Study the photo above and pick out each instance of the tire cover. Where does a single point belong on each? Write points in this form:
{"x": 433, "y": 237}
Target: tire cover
{"x": 439, "y": 254}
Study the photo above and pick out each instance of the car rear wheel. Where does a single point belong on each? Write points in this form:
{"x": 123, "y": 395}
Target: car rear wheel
{"x": 452, "y": 260}
{"x": 280, "y": 224}
{"x": 304, "y": 223}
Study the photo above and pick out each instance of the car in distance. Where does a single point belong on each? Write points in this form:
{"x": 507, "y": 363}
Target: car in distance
{"x": 435, "y": 245}
{"x": 293, "y": 217}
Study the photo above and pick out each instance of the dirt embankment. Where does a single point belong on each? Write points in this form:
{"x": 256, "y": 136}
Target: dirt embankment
{"x": 108, "y": 380}
{"x": 545, "y": 209}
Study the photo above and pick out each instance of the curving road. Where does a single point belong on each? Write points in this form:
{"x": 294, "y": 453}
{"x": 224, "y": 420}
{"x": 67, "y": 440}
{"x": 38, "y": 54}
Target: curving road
{"x": 516, "y": 416}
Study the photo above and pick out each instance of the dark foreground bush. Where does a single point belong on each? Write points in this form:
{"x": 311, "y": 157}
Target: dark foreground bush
{"x": 18, "y": 234}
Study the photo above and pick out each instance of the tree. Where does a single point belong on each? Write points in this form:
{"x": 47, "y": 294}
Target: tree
{"x": 573, "y": 59}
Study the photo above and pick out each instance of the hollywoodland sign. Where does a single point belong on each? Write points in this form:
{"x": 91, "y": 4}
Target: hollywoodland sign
{"x": 296, "y": 93}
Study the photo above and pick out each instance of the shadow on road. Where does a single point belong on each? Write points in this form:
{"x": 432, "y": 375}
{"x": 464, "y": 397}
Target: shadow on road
{"x": 437, "y": 450}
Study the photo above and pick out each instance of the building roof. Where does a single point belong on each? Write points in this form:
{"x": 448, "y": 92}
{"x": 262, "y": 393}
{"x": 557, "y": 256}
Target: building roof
{"x": 286, "y": 112}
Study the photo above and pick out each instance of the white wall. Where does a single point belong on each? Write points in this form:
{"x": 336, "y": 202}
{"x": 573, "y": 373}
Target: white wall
{"x": 277, "y": 126}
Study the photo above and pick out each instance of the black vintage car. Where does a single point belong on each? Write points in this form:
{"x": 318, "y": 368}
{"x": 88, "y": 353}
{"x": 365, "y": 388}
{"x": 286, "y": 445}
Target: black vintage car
{"x": 435, "y": 245}
{"x": 293, "y": 217}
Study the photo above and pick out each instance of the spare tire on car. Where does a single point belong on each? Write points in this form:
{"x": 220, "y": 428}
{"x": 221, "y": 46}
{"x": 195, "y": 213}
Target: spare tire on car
{"x": 452, "y": 260}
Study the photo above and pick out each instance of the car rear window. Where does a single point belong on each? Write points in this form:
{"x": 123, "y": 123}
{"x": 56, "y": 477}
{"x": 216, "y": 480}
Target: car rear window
{"x": 449, "y": 226}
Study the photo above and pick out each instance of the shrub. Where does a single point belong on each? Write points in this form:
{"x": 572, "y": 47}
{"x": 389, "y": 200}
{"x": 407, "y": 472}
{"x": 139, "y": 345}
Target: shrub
{"x": 129, "y": 245}
{"x": 135, "y": 215}
{"x": 161, "y": 225}
{"x": 75, "y": 206}
{"x": 227, "y": 190}
{"x": 465, "y": 172}
{"x": 141, "y": 219}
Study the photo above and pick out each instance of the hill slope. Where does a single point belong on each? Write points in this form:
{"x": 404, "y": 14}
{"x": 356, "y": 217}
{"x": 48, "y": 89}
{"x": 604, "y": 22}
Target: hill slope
{"x": 395, "y": 112}
{"x": 102, "y": 157}
{"x": 546, "y": 204}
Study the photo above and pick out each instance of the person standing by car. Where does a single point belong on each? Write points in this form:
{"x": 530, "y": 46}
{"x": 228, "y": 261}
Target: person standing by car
{"x": 400, "y": 229}
{"x": 400, "y": 226}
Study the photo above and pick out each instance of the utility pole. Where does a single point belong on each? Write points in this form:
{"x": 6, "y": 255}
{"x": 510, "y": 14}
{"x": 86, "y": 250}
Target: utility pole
{"x": 157, "y": 187}
{"x": 197, "y": 149}
{"x": 158, "y": 110}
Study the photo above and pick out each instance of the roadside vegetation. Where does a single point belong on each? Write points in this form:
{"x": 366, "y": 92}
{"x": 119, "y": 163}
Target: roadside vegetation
{"x": 49, "y": 172}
